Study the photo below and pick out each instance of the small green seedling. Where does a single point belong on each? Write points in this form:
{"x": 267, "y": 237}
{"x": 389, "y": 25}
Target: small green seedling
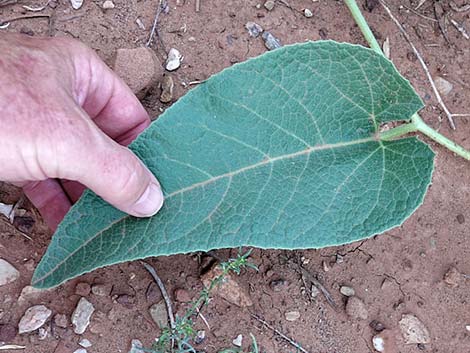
{"x": 179, "y": 338}
{"x": 288, "y": 150}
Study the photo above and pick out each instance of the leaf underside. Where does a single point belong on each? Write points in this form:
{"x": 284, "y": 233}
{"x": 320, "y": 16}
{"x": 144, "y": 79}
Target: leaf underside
{"x": 276, "y": 152}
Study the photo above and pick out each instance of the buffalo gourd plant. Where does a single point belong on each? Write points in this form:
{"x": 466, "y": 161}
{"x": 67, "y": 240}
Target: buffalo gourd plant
{"x": 286, "y": 150}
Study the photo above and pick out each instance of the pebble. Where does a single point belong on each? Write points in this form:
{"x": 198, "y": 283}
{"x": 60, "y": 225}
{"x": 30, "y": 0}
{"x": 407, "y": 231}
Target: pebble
{"x": 377, "y": 326}
{"x": 182, "y": 295}
{"x": 308, "y": 13}
{"x": 34, "y": 318}
{"x": 200, "y": 337}
{"x": 270, "y": 41}
{"x": 140, "y": 24}
{"x": 173, "y": 60}
{"x": 347, "y": 291}
{"x": 82, "y": 289}
{"x": 81, "y": 316}
{"x": 85, "y": 343}
{"x": 238, "y": 341}
{"x": 8, "y": 273}
{"x": 269, "y": 5}
{"x": 159, "y": 314}
{"x": 167, "y": 89}
{"x": 144, "y": 72}
{"x": 80, "y": 350}
{"x": 278, "y": 285}
{"x": 314, "y": 291}
{"x": 7, "y": 333}
{"x": 76, "y": 4}
{"x": 467, "y": 327}
{"x": 385, "y": 342}
{"x": 254, "y": 29}
{"x": 153, "y": 293}
{"x": 108, "y": 5}
{"x": 228, "y": 289}
{"x": 443, "y": 86}
{"x": 61, "y": 320}
{"x": 42, "y": 334}
{"x": 356, "y": 308}
{"x": 413, "y": 330}
{"x": 292, "y": 315}
{"x": 30, "y": 293}
{"x": 460, "y": 218}
{"x": 101, "y": 290}
{"x": 136, "y": 346}
{"x": 452, "y": 277}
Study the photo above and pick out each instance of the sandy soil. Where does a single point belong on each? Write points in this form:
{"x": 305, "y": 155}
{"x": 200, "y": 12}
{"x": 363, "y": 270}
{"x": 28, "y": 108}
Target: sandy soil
{"x": 396, "y": 273}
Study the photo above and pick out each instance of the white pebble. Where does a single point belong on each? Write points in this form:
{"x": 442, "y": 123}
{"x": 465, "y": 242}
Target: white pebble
{"x": 76, "y": 4}
{"x": 108, "y": 5}
{"x": 174, "y": 59}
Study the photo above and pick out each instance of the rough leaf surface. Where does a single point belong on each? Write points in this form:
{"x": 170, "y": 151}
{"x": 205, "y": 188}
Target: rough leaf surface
{"x": 278, "y": 152}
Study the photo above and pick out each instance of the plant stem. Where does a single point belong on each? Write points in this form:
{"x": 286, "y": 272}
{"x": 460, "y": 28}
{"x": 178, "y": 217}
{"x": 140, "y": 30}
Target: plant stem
{"x": 417, "y": 123}
{"x": 398, "y": 131}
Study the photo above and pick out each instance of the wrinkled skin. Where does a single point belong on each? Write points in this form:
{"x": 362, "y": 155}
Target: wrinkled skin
{"x": 65, "y": 118}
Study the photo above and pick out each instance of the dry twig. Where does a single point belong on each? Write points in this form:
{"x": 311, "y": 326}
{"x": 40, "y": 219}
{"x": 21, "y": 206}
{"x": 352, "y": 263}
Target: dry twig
{"x": 425, "y": 68}
{"x": 460, "y": 28}
{"x": 36, "y": 9}
{"x": 456, "y": 8}
{"x": 198, "y": 5}
{"x": 279, "y": 333}
{"x": 4, "y": 22}
{"x": 165, "y": 295}
{"x": 161, "y": 6}
{"x": 7, "y": 2}
{"x": 320, "y": 287}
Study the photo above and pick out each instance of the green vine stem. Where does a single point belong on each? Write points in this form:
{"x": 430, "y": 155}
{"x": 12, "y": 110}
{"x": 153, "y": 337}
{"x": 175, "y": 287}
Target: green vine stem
{"x": 416, "y": 124}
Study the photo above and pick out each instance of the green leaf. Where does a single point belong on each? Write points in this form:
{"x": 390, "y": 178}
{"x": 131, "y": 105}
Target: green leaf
{"x": 281, "y": 151}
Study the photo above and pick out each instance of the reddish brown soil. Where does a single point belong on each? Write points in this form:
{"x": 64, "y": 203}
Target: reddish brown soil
{"x": 413, "y": 257}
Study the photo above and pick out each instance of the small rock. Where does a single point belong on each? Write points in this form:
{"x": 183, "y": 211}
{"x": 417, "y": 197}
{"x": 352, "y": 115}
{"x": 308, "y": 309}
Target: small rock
{"x": 325, "y": 266}
{"x": 279, "y": 284}
{"x": 136, "y": 346}
{"x": 314, "y": 291}
{"x": 371, "y": 4}
{"x": 356, "y": 308}
{"x": 347, "y": 291}
{"x": 167, "y": 89}
{"x": 42, "y": 334}
{"x": 292, "y": 315}
{"x": 82, "y": 289}
{"x": 33, "y": 318}
{"x": 385, "y": 342}
{"x": 81, "y": 316}
{"x": 200, "y": 337}
{"x": 377, "y": 326}
{"x": 8, "y": 273}
{"x": 153, "y": 293}
{"x": 443, "y": 86}
{"x": 30, "y": 293}
{"x": 254, "y": 29}
{"x": 85, "y": 343}
{"x": 98, "y": 323}
{"x": 228, "y": 289}
{"x": 7, "y": 333}
{"x": 101, "y": 290}
{"x": 139, "y": 68}
{"x": 140, "y": 24}
{"x": 173, "y": 60}
{"x": 413, "y": 330}
{"x": 108, "y": 5}
{"x": 269, "y": 5}
{"x": 453, "y": 277}
{"x": 182, "y": 295}
{"x": 80, "y": 350}
{"x": 76, "y": 4}
{"x": 308, "y": 13}
{"x": 126, "y": 299}
{"x": 467, "y": 327}
{"x": 60, "y": 320}
{"x": 460, "y": 218}
{"x": 238, "y": 341}
{"x": 270, "y": 41}
{"x": 159, "y": 314}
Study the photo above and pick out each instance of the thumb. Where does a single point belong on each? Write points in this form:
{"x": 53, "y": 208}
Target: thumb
{"x": 116, "y": 174}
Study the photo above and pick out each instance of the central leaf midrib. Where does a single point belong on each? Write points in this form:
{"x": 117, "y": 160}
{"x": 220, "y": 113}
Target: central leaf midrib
{"x": 211, "y": 180}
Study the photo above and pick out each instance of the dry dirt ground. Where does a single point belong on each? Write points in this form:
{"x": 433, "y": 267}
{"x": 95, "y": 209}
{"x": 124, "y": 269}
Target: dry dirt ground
{"x": 400, "y": 272}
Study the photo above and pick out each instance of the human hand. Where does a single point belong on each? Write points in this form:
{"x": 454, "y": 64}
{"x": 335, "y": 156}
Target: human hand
{"x": 65, "y": 118}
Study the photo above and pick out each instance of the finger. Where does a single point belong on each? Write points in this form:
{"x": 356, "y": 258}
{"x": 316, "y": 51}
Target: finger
{"x": 108, "y": 100}
{"x": 50, "y": 199}
{"x": 111, "y": 171}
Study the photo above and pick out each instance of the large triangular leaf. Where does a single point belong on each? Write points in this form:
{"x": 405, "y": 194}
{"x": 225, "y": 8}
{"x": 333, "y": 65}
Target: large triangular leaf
{"x": 281, "y": 151}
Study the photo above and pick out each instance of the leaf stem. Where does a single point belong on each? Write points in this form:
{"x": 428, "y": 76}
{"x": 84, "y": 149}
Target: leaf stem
{"x": 417, "y": 123}
{"x": 398, "y": 131}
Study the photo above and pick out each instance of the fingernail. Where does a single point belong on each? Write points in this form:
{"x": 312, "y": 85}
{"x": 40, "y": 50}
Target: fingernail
{"x": 150, "y": 202}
